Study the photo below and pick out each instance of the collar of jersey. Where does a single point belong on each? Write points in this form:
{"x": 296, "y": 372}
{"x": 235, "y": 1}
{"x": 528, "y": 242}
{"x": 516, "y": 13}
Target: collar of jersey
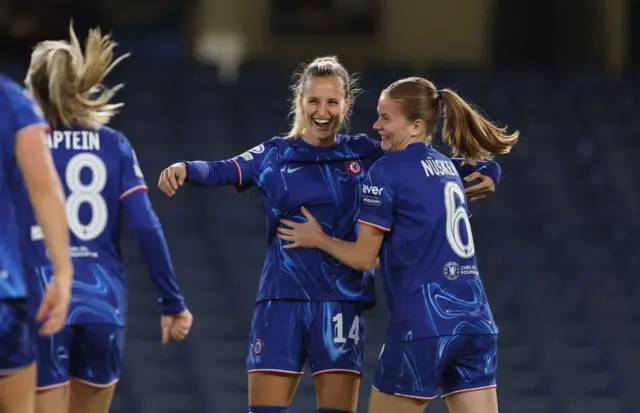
{"x": 301, "y": 143}
{"x": 418, "y": 146}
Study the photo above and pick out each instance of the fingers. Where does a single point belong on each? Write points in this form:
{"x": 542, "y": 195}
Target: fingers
{"x": 286, "y": 231}
{"x": 486, "y": 185}
{"x": 472, "y": 177}
{"x": 43, "y": 310}
{"x": 307, "y": 214}
{"x": 291, "y": 246}
{"x": 181, "y": 173}
{"x": 286, "y": 237}
{"x": 477, "y": 188}
{"x": 55, "y": 321}
{"x": 163, "y": 183}
{"x": 289, "y": 223}
{"x": 179, "y": 332}
{"x": 176, "y": 327}
{"x": 181, "y": 327}
{"x": 172, "y": 178}
{"x": 165, "y": 334}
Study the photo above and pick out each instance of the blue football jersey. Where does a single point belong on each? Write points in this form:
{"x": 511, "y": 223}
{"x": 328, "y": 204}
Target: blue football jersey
{"x": 428, "y": 263}
{"x": 97, "y": 169}
{"x": 17, "y": 111}
{"x": 291, "y": 173}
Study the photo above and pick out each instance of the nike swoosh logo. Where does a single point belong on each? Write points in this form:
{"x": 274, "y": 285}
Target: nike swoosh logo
{"x": 292, "y": 170}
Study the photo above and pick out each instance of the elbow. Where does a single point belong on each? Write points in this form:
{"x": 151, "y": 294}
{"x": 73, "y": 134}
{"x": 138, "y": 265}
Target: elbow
{"x": 366, "y": 263}
{"x": 146, "y": 229}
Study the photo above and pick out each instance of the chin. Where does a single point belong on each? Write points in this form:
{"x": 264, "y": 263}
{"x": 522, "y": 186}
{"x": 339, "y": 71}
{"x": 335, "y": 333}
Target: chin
{"x": 386, "y": 145}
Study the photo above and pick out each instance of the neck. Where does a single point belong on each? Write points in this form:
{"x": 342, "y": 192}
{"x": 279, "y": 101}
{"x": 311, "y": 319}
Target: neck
{"x": 408, "y": 141}
{"x": 312, "y": 140}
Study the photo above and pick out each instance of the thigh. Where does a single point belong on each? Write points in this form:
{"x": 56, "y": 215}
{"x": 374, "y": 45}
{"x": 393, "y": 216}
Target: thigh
{"x": 335, "y": 337}
{"x": 17, "y": 390}
{"x": 337, "y": 391}
{"x": 88, "y": 398}
{"x": 96, "y": 354}
{"x": 380, "y": 402}
{"x": 276, "y": 339}
{"x": 268, "y": 388}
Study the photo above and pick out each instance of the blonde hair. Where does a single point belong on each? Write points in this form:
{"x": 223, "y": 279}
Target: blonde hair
{"x": 327, "y": 66}
{"x": 68, "y": 83}
{"x": 467, "y": 133}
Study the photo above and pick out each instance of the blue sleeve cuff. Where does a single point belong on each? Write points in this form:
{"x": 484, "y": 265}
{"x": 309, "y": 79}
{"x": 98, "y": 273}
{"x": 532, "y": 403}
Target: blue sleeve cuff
{"x": 493, "y": 170}
{"x": 172, "y": 307}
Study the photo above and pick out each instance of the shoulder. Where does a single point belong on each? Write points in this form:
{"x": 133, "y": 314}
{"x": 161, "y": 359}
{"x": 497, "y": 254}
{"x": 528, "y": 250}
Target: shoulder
{"x": 262, "y": 149}
{"x": 8, "y": 88}
{"x": 15, "y": 98}
{"x": 110, "y": 135}
{"x": 363, "y": 143}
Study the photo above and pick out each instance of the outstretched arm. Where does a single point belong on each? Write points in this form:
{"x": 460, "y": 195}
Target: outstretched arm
{"x": 201, "y": 173}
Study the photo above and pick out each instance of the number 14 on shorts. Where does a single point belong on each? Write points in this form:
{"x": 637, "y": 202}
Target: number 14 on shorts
{"x": 338, "y": 330}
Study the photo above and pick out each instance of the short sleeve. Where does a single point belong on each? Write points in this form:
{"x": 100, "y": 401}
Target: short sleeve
{"x": 132, "y": 179}
{"x": 377, "y": 208}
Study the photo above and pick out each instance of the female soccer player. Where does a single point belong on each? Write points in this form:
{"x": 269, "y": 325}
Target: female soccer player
{"x": 308, "y": 306}
{"x": 24, "y": 156}
{"x": 101, "y": 175}
{"x": 441, "y": 334}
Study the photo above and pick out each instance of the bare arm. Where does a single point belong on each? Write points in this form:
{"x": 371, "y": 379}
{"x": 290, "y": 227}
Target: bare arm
{"x": 360, "y": 255}
{"x": 46, "y": 195}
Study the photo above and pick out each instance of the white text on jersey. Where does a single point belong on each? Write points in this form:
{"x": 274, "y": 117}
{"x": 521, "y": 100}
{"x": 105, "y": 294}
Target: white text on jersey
{"x": 76, "y": 140}
{"x": 433, "y": 167}
{"x": 372, "y": 190}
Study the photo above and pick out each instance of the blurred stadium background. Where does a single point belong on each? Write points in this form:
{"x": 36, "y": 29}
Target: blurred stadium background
{"x": 557, "y": 245}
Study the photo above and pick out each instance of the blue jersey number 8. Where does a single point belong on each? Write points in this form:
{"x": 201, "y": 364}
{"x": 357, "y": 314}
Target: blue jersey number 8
{"x": 89, "y": 193}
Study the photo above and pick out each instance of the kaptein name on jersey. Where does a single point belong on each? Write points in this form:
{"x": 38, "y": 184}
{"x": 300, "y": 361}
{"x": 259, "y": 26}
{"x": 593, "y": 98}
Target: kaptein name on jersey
{"x": 438, "y": 167}
{"x": 75, "y": 140}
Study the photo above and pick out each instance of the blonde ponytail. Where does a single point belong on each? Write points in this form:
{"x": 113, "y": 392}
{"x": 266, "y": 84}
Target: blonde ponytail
{"x": 68, "y": 83}
{"x": 469, "y": 134}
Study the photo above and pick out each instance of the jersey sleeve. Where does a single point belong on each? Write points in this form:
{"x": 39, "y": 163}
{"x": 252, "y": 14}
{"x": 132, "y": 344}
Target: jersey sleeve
{"x": 131, "y": 176}
{"x": 377, "y": 209}
{"x": 20, "y": 109}
{"x": 150, "y": 238}
{"x": 370, "y": 147}
{"x": 25, "y": 111}
{"x": 241, "y": 172}
{"x": 490, "y": 168}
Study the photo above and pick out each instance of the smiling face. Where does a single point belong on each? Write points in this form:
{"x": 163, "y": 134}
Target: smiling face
{"x": 393, "y": 126}
{"x": 325, "y": 104}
